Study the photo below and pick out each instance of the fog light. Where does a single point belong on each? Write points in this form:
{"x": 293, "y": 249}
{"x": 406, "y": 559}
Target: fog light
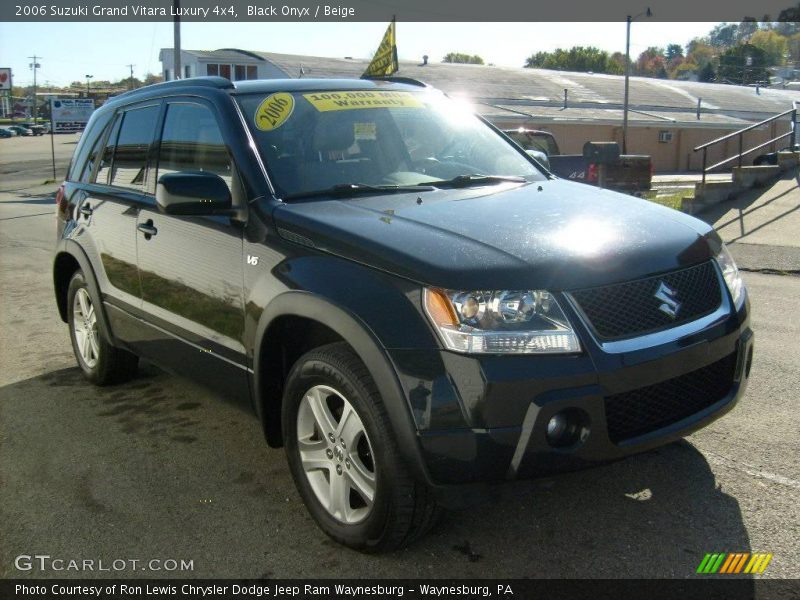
{"x": 556, "y": 427}
{"x": 567, "y": 428}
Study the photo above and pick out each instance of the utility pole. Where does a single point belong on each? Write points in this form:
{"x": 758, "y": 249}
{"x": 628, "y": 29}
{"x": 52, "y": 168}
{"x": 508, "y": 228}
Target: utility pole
{"x": 131, "y": 68}
{"x": 34, "y": 65}
{"x": 176, "y": 64}
{"x": 628, "y": 21}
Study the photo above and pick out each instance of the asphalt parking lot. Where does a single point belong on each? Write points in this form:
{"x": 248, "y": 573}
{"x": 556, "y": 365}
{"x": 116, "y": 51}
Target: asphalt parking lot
{"x": 162, "y": 469}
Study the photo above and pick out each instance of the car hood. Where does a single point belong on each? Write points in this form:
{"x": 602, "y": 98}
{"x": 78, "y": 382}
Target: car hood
{"x": 552, "y": 234}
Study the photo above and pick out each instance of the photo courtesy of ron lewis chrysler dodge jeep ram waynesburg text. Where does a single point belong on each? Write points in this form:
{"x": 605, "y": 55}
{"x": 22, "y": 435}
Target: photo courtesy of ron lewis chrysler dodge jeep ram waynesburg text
{"x": 408, "y": 301}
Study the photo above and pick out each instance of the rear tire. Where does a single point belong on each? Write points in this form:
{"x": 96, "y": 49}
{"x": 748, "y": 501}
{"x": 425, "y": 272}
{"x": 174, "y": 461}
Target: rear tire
{"x": 338, "y": 439}
{"x": 101, "y": 363}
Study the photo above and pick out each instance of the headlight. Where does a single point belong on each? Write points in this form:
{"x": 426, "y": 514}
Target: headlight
{"x": 730, "y": 272}
{"x": 507, "y": 322}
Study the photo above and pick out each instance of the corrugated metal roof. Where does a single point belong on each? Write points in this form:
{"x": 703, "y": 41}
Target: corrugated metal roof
{"x": 545, "y": 85}
{"x": 523, "y": 89}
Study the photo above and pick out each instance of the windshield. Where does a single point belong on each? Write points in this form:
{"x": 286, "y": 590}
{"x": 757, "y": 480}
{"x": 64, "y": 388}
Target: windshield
{"x": 312, "y": 141}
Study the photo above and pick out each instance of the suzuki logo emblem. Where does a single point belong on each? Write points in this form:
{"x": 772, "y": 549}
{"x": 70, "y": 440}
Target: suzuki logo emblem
{"x": 670, "y": 304}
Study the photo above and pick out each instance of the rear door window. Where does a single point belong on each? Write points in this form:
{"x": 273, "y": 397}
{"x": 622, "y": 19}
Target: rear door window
{"x": 129, "y": 168}
{"x": 192, "y": 141}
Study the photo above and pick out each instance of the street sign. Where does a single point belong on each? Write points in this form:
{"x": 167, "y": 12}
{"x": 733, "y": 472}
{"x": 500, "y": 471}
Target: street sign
{"x": 71, "y": 114}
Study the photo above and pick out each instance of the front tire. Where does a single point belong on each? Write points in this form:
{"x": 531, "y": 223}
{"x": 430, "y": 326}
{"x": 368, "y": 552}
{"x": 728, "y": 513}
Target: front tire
{"x": 343, "y": 456}
{"x": 101, "y": 363}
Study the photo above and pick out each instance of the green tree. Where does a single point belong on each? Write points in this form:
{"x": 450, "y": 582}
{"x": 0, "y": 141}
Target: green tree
{"x": 686, "y": 71}
{"x": 617, "y": 63}
{"x": 744, "y": 64}
{"x": 707, "y": 73}
{"x": 793, "y": 47}
{"x": 747, "y": 27}
{"x": 673, "y": 51}
{"x": 458, "y": 57}
{"x": 577, "y": 58}
{"x": 723, "y": 35}
{"x": 789, "y": 21}
{"x": 773, "y": 44}
{"x": 150, "y": 78}
{"x": 700, "y": 53}
{"x": 131, "y": 82}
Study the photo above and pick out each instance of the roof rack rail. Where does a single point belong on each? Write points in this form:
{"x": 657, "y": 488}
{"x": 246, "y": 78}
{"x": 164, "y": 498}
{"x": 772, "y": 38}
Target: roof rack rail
{"x": 397, "y": 79}
{"x": 210, "y": 81}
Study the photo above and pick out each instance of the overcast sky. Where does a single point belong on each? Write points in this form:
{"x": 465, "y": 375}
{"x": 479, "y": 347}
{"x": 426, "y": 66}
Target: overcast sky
{"x": 69, "y": 51}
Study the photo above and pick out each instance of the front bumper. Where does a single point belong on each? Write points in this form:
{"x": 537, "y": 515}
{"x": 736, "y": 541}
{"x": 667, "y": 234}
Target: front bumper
{"x": 483, "y": 419}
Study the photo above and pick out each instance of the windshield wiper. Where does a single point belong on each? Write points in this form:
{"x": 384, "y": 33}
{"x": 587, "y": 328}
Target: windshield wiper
{"x": 476, "y": 179}
{"x": 353, "y": 189}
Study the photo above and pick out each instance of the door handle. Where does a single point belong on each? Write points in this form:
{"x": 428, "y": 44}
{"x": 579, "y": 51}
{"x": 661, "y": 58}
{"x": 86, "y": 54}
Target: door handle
{"x": 86, "y": 210}
{"x": 147, "y": 229}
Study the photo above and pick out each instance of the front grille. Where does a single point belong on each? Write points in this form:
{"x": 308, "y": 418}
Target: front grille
{"x": 646, "y": 409}
{"x": 628, "y": 309}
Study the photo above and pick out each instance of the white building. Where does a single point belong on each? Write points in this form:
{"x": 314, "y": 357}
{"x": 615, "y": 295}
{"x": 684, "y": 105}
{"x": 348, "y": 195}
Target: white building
{"x": 230, "y": 63}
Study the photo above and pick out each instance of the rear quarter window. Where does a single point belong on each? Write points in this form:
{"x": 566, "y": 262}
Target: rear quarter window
{"x": 105, "y": 155}
{"x": 79, "y": 167}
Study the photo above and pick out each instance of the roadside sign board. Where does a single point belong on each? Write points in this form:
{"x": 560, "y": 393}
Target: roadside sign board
{"x": 5, "y": 79}
{"x": 71, "y": 114}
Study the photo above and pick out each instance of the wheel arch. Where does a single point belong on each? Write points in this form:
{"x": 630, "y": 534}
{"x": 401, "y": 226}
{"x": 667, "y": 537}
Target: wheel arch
{"x": 70, "y": 258}
{"x": 328, "y": 322}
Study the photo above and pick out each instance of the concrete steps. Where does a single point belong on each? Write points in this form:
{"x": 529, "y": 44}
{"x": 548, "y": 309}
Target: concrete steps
{"x": 741, "y": 179}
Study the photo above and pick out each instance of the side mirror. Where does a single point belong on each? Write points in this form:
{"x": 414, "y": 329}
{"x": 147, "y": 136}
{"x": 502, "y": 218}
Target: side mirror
{"x": 192, "y": 193}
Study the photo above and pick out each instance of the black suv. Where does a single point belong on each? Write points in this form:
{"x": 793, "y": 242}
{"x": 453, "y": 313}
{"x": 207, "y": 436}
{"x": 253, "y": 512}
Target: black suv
{"x": 409, "y": 303}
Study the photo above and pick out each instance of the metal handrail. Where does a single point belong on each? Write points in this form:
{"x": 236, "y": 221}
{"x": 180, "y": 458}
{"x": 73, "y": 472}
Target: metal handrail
{"x": 740, "y": 134}
{"x": 753, "y": 149}
{"x": 744, "y": 129}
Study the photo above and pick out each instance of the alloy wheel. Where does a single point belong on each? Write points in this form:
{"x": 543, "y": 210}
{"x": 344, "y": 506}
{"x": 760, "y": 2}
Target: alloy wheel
{"x": 336, "y": 454}
{"x": 84, "y": 326}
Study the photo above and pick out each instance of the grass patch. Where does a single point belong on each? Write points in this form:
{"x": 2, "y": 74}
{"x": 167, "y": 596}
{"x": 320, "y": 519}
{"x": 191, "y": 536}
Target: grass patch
{"x": 669, "y": 200}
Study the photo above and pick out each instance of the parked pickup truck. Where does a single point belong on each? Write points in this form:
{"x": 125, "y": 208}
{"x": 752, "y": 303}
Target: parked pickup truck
{"x": 632, "y": 173}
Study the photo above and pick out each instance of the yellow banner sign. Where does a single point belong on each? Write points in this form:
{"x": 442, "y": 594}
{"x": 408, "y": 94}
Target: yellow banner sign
{"x": 385, "y": 60}
{"x": 328, "y": 101}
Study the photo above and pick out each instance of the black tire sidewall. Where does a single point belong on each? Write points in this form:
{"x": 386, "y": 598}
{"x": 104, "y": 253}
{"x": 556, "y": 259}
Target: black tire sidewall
{"x": 318, "y": 371}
